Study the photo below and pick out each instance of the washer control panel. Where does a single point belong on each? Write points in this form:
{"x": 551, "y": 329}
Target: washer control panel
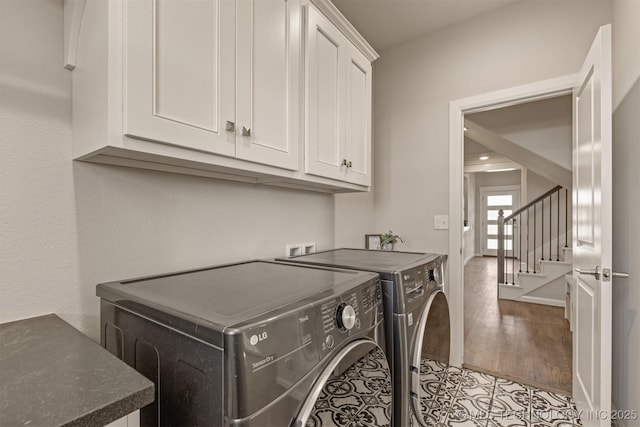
{"x": 413, "y": 283}
{"x": 350, "y": 313}
{"x": 418, "y": 282}
{"x": 345, "y": 316}
{"x": 340, "y": 313}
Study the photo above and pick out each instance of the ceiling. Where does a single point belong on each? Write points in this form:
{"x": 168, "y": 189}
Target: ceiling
{"x": 556, "y": 111}
{"x": 386, "y": 23}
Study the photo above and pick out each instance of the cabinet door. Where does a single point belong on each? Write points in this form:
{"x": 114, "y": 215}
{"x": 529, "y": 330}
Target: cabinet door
{"x": 358, "y": 120}
{"x": 268, "y": 85}
{"x": 179, "y": 72}
{"x": 325, "y": 86}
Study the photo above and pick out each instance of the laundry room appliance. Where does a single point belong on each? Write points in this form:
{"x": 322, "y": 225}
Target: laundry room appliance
{"x": 257, "y": 343}
{"x": 417, "y": 323}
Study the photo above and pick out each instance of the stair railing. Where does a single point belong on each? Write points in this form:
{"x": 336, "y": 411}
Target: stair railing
{"x": 521, "y": 220}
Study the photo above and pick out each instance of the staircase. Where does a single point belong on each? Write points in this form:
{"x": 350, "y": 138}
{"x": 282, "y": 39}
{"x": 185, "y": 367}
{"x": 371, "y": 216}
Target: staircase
{"x": 540, "y": 236}
{"x": 546, "y": 286}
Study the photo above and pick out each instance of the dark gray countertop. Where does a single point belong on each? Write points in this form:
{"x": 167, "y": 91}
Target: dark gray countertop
{"x": 51, "y": 374}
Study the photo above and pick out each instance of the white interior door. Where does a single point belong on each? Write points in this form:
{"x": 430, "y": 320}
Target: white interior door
{"x": 494, "y": 199}
{"x": 592, "y": 234}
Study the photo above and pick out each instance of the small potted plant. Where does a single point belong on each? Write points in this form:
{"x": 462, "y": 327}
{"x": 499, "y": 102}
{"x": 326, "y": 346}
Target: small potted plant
{"x": 387, "y": 240}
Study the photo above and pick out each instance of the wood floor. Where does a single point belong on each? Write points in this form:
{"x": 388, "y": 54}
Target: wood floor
{"x": 529, "y": 343}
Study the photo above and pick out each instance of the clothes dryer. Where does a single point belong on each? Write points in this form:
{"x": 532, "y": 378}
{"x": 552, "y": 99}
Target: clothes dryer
{"x": 417, "y": 323}
{"x": 257, "y": 343}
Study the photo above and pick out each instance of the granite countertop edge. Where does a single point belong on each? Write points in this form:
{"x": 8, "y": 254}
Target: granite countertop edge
{"x": 53, "y": 374}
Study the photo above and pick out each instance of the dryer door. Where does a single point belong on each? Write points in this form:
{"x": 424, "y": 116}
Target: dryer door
{"x": 359, "y": 395}
{"x": 430, "y": 359}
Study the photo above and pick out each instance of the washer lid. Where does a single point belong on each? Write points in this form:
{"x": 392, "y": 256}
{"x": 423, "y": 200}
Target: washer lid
{"x": 228, "y": 295}
{"x": 362, "y": 259}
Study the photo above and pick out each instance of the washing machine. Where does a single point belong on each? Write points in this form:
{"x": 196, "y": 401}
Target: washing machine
{"x": 257, "y": 343}
{"x": 417, "y": 324}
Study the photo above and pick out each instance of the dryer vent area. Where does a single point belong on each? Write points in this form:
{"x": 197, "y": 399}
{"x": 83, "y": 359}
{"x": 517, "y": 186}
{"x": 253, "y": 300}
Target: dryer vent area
{"x": 453, "y": 396}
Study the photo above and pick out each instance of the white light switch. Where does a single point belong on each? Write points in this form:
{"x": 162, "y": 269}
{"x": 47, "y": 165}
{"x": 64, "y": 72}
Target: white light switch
{"x": 441, "y": 222}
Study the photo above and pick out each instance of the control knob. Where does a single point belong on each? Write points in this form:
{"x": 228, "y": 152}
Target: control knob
{"x": 345, "y": 316}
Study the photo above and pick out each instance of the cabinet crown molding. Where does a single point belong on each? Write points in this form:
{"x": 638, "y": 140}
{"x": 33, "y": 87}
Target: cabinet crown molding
{"x": 335, "y": 16}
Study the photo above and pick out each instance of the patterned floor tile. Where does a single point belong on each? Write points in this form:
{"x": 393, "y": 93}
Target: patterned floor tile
{"x": 476, "y": 384}
{"x": 470, "y": 408}
{"x": 361, "y": 397}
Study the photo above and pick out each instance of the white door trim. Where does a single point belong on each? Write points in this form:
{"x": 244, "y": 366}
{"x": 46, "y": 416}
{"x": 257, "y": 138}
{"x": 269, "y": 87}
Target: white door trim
{"x": 457, "y": 109}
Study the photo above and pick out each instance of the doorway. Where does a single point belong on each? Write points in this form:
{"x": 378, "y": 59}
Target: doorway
{"x": 505, "y": 334}
{"x": 495, "y": 199}
{"x": 458, "y": 109}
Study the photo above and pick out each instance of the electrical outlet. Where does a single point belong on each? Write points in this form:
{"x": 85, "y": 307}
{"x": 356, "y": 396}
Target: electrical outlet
{"x": 308, "y": 248}
{"x": 441, "y": 222}
{"x": 293, "y": 249}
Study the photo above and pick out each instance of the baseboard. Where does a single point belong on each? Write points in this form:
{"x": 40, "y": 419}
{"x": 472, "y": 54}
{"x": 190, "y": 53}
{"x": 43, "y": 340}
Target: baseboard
{"x": 543, "y": 301}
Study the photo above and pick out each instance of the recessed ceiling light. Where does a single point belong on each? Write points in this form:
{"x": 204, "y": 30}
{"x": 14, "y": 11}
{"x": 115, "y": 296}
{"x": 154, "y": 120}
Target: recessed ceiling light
{"x": 501, "y": 170}
{"x": 484, "y": 157}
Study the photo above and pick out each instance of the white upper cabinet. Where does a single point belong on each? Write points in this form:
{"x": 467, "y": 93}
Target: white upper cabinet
{"x": 180, "y": 74}
{"x": 195, "y": 79}
{"x": 268, "y": 81}
{"x": 338, "y": 104}
{"x": 358, "y": 123}
{"x": 245, "y": 90}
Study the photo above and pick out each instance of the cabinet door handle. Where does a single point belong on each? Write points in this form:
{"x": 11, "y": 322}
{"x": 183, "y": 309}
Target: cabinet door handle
{"x": 230, "y": 126}
{"x": 349, "y": 164}
{"x": 245, "y": 131}
{"x": 344, "y": 162}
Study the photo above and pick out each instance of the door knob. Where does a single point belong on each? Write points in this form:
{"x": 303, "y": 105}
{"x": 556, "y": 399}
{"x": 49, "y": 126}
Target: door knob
{"x": 591, "y": 272}
{"x": 245, "y": 131}
{"x": 230, "y": 126}
{"x": 606, "y": 273}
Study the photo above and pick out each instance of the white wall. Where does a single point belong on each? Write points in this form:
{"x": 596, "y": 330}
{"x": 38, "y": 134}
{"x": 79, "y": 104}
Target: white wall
{"x": 537, "y": 185}
{"x": 414, "y": 83}
{"x": 354, "y": 218}
{"x": 626, "y": 205}
{"x": 66, "y": 226}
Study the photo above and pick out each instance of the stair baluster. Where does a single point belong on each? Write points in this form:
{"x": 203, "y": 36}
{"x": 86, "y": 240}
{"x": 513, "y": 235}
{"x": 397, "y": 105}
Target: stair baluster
{"x": 502, "y": 275}
{"x": 542, "y": 232}
{"x": 520, "y": 245}
{"x": 535, "y": 260}
{"x": 503, "y": 264}
{"x": 558, "y": 231}
{"x": 566, "y": 218}
{"x": 527, "y": 247}
{"x": 550, "y": 223}
{"x": 513, "y": 251}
